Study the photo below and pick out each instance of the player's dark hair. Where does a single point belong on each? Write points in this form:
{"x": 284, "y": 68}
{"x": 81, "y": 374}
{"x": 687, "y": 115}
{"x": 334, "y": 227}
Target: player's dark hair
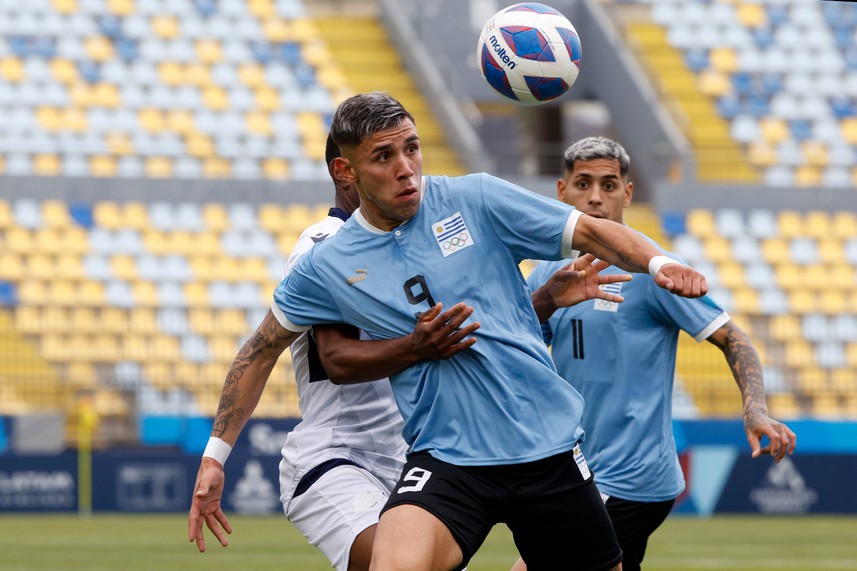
{"x": 331, "y": 150}
{"x": 363, "y": 115}
{"x": 592, "y": 148}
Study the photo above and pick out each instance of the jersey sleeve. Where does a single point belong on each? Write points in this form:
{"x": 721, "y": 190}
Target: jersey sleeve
{"x": 533, "y": 226}
{"x": 698, "y": 317}
{"x": 302, "y": 299}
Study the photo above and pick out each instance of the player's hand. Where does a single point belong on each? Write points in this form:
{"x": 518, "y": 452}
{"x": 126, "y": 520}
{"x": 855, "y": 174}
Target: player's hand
{"x": 681, "y": 280}
{"x": 782, "y": 439}
{"x": 205, "y": 505}
{"x": 579, "y": 281}
{"x": 438, "y": 334}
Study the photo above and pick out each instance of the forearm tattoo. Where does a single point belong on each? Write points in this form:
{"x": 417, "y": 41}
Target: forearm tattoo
{"x": 231, "y": 416}
{"x": 746, "y": 368}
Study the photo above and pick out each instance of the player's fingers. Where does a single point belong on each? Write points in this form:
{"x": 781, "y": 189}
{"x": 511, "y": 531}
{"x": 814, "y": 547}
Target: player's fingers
{"x": 199, "y": 536}
{"x": 777, "y": 450}
{"x": 224, "y": 521}
{"x": 600, "y": 265}
{"x": 459, "y": 334}
{"x": 192, "y": 519}
{"x": 433, "y": 312}
{"x": 601, "y": 294}
{"x": 456, "y": 320}
{"x": 585, "y": 260}
{"x": 792, "y": 439}
{"x": 214, "y": 526}
{"x": 754, "y": 444}
{"x": 614, "y": 278}
{"x": 663, "y": 281}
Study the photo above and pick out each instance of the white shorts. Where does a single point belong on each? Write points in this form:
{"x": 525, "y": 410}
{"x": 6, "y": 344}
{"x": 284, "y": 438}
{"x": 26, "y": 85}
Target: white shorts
{"x": 336, "y": 509}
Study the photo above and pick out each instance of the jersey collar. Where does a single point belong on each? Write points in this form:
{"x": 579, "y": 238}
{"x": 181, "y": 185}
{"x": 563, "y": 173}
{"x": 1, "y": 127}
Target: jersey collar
{"x": 338, "y": 213}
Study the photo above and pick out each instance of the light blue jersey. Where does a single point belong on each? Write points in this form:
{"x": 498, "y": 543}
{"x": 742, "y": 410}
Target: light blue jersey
{"x": 499, "y": 402}
{"x": 621, "y": 358}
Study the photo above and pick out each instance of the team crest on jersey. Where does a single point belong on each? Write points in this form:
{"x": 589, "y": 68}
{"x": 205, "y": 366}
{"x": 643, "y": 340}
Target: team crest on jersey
{"x": 604, "y": 305}
{"x": 452, "y": 234}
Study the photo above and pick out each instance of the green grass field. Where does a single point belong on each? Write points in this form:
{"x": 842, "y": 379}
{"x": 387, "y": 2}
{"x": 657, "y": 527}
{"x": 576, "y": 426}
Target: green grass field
{"x": 157, "y": 543}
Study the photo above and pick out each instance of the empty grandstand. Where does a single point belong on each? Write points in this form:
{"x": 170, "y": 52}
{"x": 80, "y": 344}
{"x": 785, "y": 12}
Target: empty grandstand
{"x": 158, "y": 159}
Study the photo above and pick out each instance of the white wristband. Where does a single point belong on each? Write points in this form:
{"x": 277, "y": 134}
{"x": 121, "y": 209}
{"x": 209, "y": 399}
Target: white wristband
{"x": 218, "y": 449}
{"x": 657, "y": 262}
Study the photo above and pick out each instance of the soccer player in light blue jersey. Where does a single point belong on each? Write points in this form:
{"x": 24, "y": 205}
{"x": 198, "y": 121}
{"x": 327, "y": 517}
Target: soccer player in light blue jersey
{"x": 493, "y": 430}
{"x": 621, "y": 359}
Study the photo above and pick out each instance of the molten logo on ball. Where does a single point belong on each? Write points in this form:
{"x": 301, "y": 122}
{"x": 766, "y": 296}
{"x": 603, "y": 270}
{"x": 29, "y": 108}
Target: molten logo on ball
{"x": 529, "y": 53}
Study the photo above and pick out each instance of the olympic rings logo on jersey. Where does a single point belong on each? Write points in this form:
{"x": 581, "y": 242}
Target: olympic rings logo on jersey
{"x": 452, "y": 234}
{"x": 457, "y": 241}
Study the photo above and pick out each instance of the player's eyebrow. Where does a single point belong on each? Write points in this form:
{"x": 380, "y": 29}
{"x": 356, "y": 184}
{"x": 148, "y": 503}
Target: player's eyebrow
{"x": 389, "y": 146}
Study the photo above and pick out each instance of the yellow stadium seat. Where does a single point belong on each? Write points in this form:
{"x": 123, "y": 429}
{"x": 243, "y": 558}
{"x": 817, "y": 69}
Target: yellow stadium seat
{"x": 208, "y": 51}
{"x": 197, "y": 74}
{"x": 267, "y": 99}
{"x": 201, "y": 320}
{"x": 815, "y": 154}
{"x": 223, "y": 348}
{"x": 762, "y": 154}
{"x": 844, "y": 225}
{"x": 65, "y": 6}
{"x": 215, "y": 217}
{"x": 799, "y": 354}
{"x": 258, "y": 123}
{"x": 91, "y": 293}
{"x": 106, "y": 95}
{"x": 142, "y": 320}
{"x": 276, "y": 30}
{"x": 261, "y": 8}
{"x": 826, "y": 405}
{"x": 286, "y": 242}
{"x": 807, "y": 176}
{"x": 275, "y": 169}
{"x": 74, "y": 120}
{"x": 151, "y": 120}
{"x": 253, "y": 269}
{"x": 724, "y": 60}
{"x": 55, "y": 214}
{"x": 851, "y": 353}
{"x": 82, "y": 95}
{"x": 158, "y": 167}
{"x": 49, "y": 118}
{"x": 732, "y": 274}
{"x": 752, "y": 15}
{"x": 216, "y": 167}
{"x": 830, "y": 250}
{"x": 271, "y": 217}
{"x": 774, "y": 129}
{"x": 785, "y": 328}
{"x": 196, "y": 294}
{"x": 64, "y": 71}
{"x": 12, "y": 69}
{"x": 700, "y": 223}
{"x": 124, "y": 267}
{"x": 11, "y": 266}
{"x": 113, "y": 320}
{"x": 232, "y": 321}
{"x": 69, "y": 267}
{"x": 790, "y": 223}
{"x": 849, "y": 129}
{"x": 832, "y": 302}
{"x": 102, "y": 166}
{"x": 811, "y": 379}
{"x": 746, "y": 300}
{"x": 207, "y": 244}
{"x": 98, "y": 48}
{"x": 107, "y": 214}
{"x": 199, "y": 146}
{"x": 83, "y": 320}
{"x": 775, "y": 251}
{"x": 784, "y": 406}
{"x": 121, "y": 7}
{"x": 180, "y": 121}
{"x": 145, "y": 294}
{"x": 46, "y": 165}
{"x": 119, "y": 144}
{"x": 802, "y": 301}
{"x": 165, "y": 27}
{"x": 718, "y": 249}
{"x": 39, "y": 266}
{"x": 252, "y": 75}
{"x": 171, "y": 73}
{"x": 215, "y": 98}
{"x": 817, "y": 224}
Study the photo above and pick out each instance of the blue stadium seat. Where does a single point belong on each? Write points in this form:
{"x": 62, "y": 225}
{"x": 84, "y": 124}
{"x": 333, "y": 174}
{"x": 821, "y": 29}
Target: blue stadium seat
{"x": 8, "y": 294}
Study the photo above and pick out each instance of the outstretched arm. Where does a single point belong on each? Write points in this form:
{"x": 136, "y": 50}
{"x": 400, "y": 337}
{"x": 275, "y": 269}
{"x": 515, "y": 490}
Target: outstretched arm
{"x": 436, "y": 335}
{"x": 242, "y": 390}
{"x": 576, "y": 282}
{"x": 625, "y": 248}
{"x": 747, "y": 371}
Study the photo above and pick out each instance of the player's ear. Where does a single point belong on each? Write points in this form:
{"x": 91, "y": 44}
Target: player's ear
{"x": 629, "y": 194}
{"x": 341, "y": 171}
{"x": 560, "y": 189}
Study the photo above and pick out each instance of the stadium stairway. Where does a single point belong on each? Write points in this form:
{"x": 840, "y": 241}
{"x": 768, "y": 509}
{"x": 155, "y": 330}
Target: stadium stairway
{"x": 718, "y": 156}
{"x": 28, "y": 383}
{"x": 371, "y": 63}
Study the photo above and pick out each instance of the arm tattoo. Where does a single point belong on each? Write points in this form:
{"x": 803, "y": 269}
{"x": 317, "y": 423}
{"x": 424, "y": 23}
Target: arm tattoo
{"x": 746, "y": 368}
{"x": 230, "y": 416}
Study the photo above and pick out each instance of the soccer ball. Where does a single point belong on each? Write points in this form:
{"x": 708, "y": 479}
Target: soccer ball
{"x": 529, "y": 52}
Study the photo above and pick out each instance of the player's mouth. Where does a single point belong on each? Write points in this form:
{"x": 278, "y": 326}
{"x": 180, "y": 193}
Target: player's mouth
{"x": 407, "y": 193}
{"x": 595, "y": 214}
